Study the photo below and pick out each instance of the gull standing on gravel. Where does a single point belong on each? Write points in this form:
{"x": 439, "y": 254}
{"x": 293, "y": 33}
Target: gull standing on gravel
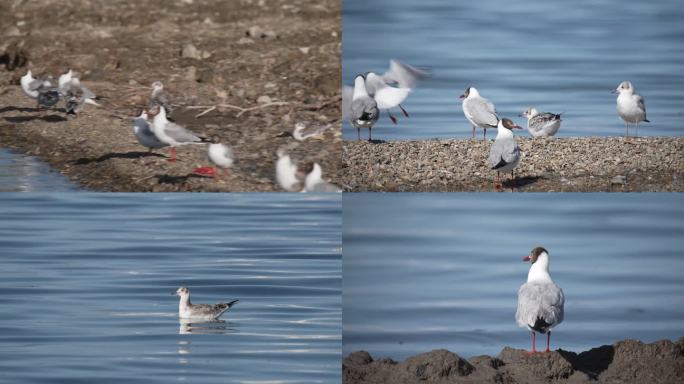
{"x": 77, "y": 96}
{"x": 544, "y": 124}
{"x": 222, "y": 157}
{"x": 302, "y": 132}
{"x": 172, "y": 134}
{"x": 30, "y": 85}
{"x": 479, "y": 111}
{"x": 64, "y": 80}
{"x": 364, "y": 110}
{"x": 630, "y": 106}
{"x": 159, "y": 98}
{"x": 288, "y": 174}
{"x": 42, "y": 90}
{"x": 540, "y": 300}
{"x": 315, "y": 183}
{"x": 406, "y": 78}
{"x": 188, "y": 310}
{"x": 144, "y": 134}
{"x": 504, "y": 155}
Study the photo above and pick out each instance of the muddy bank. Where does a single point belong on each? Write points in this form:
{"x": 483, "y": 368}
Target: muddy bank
{"x": 264, "y": 66}
{"x": 581, "y": 164}
{"x": 627, "y": 361}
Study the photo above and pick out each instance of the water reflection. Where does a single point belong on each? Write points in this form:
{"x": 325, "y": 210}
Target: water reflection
{"x": 220, "y": 327}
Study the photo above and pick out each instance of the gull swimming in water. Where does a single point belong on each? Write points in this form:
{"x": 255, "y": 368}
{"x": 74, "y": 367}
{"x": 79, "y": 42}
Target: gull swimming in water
{"x": 144, "y": 134}
{"x": 315, "y": 183}
{"x": 630, "y": 106}
{"x": 289, "y": 176}
{"x": 540, "y": 300}
{"x": 544, "y": 124}
{"x": 504, "y": 155}
{"x": 364, "y": 110}
{"x": 479, "y": 111}
{"x": 222, "y": 157}
{"x": 187, "y": 310}
{"x": 302, "y": 131}
{"x": 172, "y": 134}
{"x": 159, "y": 98}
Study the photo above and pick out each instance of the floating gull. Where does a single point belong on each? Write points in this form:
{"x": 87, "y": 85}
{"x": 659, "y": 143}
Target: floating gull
{"x": 159, "y": 98}
{"x": 144, "y": 134}
{"x": 187, "y": 310}
{"x": 364, "y": 110}
{"x": 479, "y": 111}
{"x": 504, "y": 155}
{"x": 302, "y": 132}
{"x": 314, "y": 182}
{"x": 544, "y": 124}
{"x": 288, "y": 175}
{"x": 630, "y": 106}
{"x": 221, "y": 156}
{"x": 540, "y": 300}
{"x": 172, "y": 134}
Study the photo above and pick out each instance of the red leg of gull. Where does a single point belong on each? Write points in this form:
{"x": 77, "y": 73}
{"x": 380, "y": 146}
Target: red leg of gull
{"x": 534, "y": 342}
{"x": 548, "y": 341}
{"x": 358, "y": 134}
{"x": 403, "y": 110}
{"x": 173, "y": 155}
{"x": 394, "y": 119}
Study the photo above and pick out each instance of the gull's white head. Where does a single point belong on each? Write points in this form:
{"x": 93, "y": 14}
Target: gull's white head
{"x": 624, "y": 87}
{"x": 469, "y": 92}
{"x": 182, "y": 291}
{"x": 539, "y": 270}
{"x": 28, "y": 74}
{"x": 157, "y": 86}
{"x": 529, "y": 113}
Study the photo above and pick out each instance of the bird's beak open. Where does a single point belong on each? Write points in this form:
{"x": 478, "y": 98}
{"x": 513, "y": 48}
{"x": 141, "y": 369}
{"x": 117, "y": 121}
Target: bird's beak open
{"x": 527, "y": 258}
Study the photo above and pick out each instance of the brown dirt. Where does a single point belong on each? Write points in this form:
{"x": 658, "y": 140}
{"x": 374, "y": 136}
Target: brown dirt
{"x": 579, "y": 164}
{"x": 627, "y": 361}
{"x": 286, "y": 50}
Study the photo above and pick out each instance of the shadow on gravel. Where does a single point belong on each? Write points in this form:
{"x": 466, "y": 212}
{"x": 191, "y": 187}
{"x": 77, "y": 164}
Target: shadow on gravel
{"x": 167, "y": 179}
{"x": 116, "y": 155}
{"x": 520, "y": 182}
{"x": 23, "y": 119}
{"x": 592, "y": 362}
{"x": 11, "y": 108}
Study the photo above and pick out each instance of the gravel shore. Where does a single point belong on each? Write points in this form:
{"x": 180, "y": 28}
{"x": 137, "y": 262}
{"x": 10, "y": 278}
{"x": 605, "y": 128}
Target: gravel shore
{"x": 627, "y": 361}
{"x": 578, "y": 164}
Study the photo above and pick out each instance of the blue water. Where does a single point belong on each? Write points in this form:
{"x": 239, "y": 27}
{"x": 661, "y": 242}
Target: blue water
{"x": 24, "y": 173}
{"x": 426, "y": 271}
{"x": 554, "y": 55}
{"x": 86, "y": 282}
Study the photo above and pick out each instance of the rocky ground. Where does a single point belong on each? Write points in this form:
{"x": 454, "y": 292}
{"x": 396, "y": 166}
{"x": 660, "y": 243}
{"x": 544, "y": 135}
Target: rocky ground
{"x": 582, "y": 164}
{"x": 253, "y": 67}
{"x": 627, "y": 361}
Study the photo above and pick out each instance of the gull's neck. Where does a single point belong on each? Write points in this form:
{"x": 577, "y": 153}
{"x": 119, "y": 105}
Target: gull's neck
{"x": 359, "y": 88}
{"x": 503, "y": 133}
{"x": 184, "y": 302}
{"x": 539, "y": 271}
{"x": 473, "y": 93}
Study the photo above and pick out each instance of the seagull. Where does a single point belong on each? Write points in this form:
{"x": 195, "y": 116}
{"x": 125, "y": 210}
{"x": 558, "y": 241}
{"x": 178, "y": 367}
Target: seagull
{"x": 364, "y": 110}
{"x": 77, "y": 96}
{"x": 504, "y": 155}
{"x": 40, "y": 89}
{"x": 30, "y": 85}
{"x": 543, "y": 124}
{"x": 64, "y": 80}
{"x": 406, "y": 78}
{"x": 478, "y": 110}
{"x": 188, "y": 310}
{"x": 221, "y": 156}
{"x": 290, "y": 177}
{"x": 540, "y": 300}
{"x": 144, "y": 134}
{"x": 172, "y": 134}
{"x": 302, "y": 132}
{"x": 630, "y": 106}
{"x": 314, "y": 182}
{"x": 159, "y": 98}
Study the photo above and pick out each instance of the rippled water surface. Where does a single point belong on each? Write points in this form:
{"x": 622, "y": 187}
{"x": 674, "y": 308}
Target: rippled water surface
{"x": 557, "y": 56}
{"x": 86, "y": 282}
{"x": 23, "y": 173}
{"x": 426, "y": 271}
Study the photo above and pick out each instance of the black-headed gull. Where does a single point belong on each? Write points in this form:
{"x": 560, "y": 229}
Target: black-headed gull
{"x": 540, "y": 300}
{"x": 45, "y": 93}
{"x": 222, "y": 157}
{"x": 630, "y": 106}
{"x": 504, "y": 155}
{"x": 289, "y": 176}
{"x": 541, "y": 124}
{"x": 479, "y": 111}
{"x": 188, "y": 310}
{"x": 172, "y": 134}
{"x": 143, "y": 132}
{"x": 77, "y": 96}
{"x": 364, "y": 112}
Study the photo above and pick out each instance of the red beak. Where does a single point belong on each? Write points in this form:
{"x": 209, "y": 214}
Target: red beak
{"x": 517, "y": 127}
{"x": 527, "y": 258}
{"x": 462, "y": 97}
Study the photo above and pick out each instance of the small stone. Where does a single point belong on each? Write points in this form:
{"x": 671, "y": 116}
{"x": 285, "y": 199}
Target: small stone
{"x": 304, "y": 50}
{"x": 263, "y": 99}
{"x": 191, "y": 73}
{"x": 245, "y": 41}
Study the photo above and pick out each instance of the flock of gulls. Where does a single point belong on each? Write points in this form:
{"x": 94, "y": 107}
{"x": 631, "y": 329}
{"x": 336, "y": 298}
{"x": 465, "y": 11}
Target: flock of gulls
{"x": 362, "y": 105}
{"x": 154, "y": 129}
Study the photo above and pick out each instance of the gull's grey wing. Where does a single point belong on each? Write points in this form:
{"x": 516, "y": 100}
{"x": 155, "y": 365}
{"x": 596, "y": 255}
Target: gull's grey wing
{"x": 211, "y": 310}
{"x": 404, "y": 75}
{"x": 35, "y": 84}
{"x": 482, "y": 111}
{"x": 640, "y": 103}
{"x": 503, "y": 151}
{"x": 180, "y": 134}
{"x": 347, "y": 93}
{"x": 161, "y": 99}
{"x": 541, "y": 121}
{"x": 540, "y": 306}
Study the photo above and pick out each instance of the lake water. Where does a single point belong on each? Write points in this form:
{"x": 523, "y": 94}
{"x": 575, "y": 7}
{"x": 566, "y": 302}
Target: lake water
{"x": 86, "y": 282}
{"x": 427, "y": 271}
{"x": 24, "y": 173}
{"x": 556, "y": 56}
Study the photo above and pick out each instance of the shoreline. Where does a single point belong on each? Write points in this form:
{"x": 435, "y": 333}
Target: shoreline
{"x": 575, "y": 164}
{"x": 625, "y": 361}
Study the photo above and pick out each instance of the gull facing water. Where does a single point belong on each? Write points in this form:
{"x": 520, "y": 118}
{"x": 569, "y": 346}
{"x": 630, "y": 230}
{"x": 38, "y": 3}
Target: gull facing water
{"x": 540, "y": 300}
{"x": 544, "y": 124}
{"x": 630, "y": 106}
{"x": 188, "y": 310}
{"x": 479, "y": 111}
{"x": 172, "y": 134}
{"x": 364, "y": 112}
{"x": 504, "y": 155}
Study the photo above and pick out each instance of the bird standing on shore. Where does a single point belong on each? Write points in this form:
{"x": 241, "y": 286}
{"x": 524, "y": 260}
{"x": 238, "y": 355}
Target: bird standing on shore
{"x": 160, "y": 98}
{"x": 172, "y": 134}
{"x": 540, "y": 300}
{"x": 144, "y": 134}
{"x": 315, "y": 183}
{"x": 479, "y": 111}
{"x": 630, "y": 106}
{"x": 504, "y": 155}
{"x": 544, "y": 124}
{"x": 188, "y": 310}
{"x": 364, "y": 109}
{"x": 222, "y": 157}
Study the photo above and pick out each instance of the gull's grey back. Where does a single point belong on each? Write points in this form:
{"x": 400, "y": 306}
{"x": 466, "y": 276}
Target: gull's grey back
{"x": 544, "y": 301}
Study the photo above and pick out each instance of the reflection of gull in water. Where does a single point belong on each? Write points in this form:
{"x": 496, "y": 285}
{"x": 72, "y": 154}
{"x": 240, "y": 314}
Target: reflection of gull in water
{"x": 188, "y": 310}
{"x": 203, "y": 327}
